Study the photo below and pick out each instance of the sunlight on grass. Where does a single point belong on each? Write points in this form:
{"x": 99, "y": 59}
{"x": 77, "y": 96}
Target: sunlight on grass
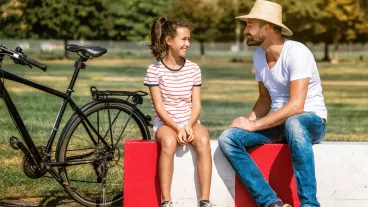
{"x": 228, "y": 91}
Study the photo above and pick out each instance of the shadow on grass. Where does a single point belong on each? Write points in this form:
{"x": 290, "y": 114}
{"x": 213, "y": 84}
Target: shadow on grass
{"x": 15, "y": 204}
{"x": 48, "y": 200}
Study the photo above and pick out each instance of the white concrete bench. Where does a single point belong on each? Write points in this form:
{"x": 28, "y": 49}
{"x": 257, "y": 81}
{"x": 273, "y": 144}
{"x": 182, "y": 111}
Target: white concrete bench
{"x": 341, "y": 170}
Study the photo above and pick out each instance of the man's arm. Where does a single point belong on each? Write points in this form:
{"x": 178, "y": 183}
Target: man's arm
{"x": 263, "y": 104}
{"x": 298, "y": 94}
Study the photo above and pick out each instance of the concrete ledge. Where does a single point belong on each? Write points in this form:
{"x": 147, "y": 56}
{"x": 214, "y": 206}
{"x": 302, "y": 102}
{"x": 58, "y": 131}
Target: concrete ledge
{"x": 341, "y": 169}
{"x": 342, "y": 173}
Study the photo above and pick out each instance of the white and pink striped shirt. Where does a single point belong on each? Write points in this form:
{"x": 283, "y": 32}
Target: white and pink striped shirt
{"x": 176, "y": 88}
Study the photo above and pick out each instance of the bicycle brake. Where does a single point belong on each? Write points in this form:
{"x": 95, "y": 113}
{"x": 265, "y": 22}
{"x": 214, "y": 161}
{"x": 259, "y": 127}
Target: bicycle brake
{"x": 21, "y": 59}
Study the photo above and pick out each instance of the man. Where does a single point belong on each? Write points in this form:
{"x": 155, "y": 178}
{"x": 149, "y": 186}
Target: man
{"x": 290, "y": 107}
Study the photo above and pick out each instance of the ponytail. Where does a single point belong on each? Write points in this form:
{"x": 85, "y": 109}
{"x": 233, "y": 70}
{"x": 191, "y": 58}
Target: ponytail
{"x": 158, "y": 44}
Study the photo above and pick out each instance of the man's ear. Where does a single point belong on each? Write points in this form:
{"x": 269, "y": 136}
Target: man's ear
{"x": 168, "y": 40}
{"x": 269, "y": 27}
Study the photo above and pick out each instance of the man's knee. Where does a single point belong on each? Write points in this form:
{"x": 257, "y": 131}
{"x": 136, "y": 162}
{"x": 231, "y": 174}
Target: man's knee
{"x": 224, "y": 137}
{"x": 293, "y": 122}
{"x": 295, "y": 131}
{"x": 228, "y": 139}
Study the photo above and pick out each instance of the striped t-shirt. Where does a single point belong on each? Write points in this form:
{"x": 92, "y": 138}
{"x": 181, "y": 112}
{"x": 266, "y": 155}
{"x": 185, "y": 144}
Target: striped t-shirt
{"x": 176, "y": 88}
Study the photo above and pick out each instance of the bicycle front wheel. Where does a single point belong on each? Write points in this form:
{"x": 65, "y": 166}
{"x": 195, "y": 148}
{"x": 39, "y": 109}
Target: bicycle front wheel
{"x": 100, "y": 181}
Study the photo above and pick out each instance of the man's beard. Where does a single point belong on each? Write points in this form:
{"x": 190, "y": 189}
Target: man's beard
{"x": 255, "y": 40}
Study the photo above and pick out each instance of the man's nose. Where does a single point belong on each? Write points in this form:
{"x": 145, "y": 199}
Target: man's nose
{"x": 245, "y": 30}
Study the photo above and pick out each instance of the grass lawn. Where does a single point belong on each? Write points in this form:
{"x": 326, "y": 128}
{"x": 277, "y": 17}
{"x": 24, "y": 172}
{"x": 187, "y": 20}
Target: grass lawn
{"x": 229, "y": 90}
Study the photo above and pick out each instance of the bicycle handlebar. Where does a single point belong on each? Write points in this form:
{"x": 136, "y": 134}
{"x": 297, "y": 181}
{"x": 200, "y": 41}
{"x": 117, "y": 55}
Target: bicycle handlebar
{"x": 36, "y": 63}
{"x": 20, "y": 58}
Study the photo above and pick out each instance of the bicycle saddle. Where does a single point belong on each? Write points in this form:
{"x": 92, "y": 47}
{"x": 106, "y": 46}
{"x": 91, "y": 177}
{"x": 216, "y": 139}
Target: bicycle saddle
{"x": 94, "y": 51}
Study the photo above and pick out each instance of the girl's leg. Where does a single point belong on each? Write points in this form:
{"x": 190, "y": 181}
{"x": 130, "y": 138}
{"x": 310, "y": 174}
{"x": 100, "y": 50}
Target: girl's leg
{"x": 201, "y": 143}
{"x": 167, "y": 138}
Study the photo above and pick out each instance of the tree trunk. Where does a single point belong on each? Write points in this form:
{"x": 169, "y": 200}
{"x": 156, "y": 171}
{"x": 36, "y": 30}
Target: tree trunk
{"x": 335, "y": 58}
{"x": 201, "y": 42}
{"x": 326, "y": 53}
{"x": 238, "y": 26}
{"x": 65, "y": 51}
{"x": 237, "y": 35}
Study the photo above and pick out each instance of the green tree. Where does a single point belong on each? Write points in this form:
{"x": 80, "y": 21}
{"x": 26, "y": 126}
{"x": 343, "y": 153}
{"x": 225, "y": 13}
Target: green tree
{"x": 56, "y": 19}
{"x": 342, "y": 22}
{"x": 67, "y": 19}
{"x": 229, "y": 28}
{"x": 131, "y": 19}
{"x": 204, "y": 16}
{"x": 299, "y": 16}
{"x": 327, "y": 21}
{"x": 11, "y": 21}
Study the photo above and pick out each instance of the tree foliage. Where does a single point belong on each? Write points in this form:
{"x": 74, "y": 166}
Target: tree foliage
{"x": 11, "y": 19}
{"x": 229, "y": 28}
{"x": 204, "y": 16}
{"x": 341, "y": 21}
{"x": 57, "y": 19}
{"x": 131, "y": 19}
{"x": 328, "y": 21}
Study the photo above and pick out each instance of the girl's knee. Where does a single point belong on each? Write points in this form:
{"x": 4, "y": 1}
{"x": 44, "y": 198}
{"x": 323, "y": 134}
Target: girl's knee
{"x": 169, "y": 145}
{"x": 202, "y": 143}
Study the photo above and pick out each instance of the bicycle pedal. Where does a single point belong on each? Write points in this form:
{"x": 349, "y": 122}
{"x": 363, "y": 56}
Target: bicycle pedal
{"x": 13, "y": 141}
{"x": 16, "y": 144}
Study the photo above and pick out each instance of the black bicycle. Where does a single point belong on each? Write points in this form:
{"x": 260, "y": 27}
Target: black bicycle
{"x": 89, "y": 158}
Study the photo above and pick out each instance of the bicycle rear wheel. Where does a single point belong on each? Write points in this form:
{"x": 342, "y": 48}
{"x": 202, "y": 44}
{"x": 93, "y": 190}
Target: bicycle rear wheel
{"x": 85, "y": 181}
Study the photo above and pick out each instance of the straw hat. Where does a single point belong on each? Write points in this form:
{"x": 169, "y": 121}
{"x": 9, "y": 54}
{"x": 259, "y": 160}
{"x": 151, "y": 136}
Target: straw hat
{"x": 267, "y": 11}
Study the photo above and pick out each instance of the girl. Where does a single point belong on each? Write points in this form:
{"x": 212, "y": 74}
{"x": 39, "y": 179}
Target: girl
{"x": 175, "y": 87}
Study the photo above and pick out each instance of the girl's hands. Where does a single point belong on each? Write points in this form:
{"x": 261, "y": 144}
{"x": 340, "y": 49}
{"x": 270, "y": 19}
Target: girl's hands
{"x": 189, "y": 131}
{"x": 185, "y": 135}
{"x": 182, "y": 136}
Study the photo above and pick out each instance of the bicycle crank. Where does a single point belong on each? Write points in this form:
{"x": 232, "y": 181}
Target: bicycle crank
{"x": 29, "y": 167}
{"x": 16, "y": 144}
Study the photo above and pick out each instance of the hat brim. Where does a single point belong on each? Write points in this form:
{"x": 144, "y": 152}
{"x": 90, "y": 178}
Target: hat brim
{"x": 285, "y": 30}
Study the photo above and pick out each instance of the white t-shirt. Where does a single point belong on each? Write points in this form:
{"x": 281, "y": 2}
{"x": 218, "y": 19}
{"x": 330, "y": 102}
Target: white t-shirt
{"x": 295, "y": 62}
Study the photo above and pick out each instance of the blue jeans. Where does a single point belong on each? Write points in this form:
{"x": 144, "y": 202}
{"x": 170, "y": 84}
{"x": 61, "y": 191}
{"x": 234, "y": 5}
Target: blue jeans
{"x": 300, "y": 132}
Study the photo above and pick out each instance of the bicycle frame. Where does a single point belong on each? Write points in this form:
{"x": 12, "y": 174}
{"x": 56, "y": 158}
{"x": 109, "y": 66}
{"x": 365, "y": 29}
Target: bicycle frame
{"x": 35, "y": 154}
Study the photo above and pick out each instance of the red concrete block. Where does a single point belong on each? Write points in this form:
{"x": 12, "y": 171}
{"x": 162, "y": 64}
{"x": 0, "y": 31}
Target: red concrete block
{"x": 141, "y": 183}
{"x": 274, "y": 161}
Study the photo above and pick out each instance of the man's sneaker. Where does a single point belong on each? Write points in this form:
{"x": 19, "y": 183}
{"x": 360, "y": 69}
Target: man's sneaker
{"x": 166, "y": 204}
{"x": 279, "y": 204}
{"x": 206, "y": 203}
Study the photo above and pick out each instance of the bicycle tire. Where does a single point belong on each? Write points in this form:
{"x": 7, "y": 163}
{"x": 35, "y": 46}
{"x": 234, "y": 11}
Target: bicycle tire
{"x": 83, "y": 184}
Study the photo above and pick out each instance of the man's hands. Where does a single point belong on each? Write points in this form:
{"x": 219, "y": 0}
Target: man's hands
{"x": 185, "y": 135}
{"x": 244, "y": 123}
